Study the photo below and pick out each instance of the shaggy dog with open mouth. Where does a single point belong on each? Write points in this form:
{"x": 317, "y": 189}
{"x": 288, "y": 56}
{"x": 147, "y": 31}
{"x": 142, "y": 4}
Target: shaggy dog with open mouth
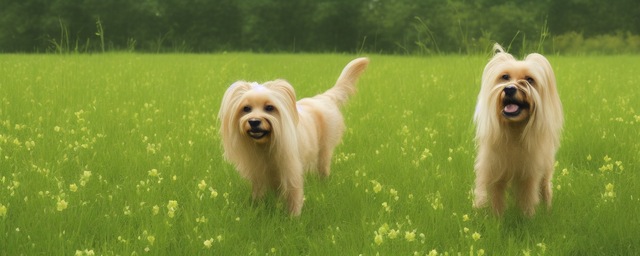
{"x": 518, "y": 123}
{"x": 273, "y": 140}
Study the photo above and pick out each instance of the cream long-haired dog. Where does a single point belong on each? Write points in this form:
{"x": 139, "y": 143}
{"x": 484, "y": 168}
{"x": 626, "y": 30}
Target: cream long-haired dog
{"x": 518, "y": 123}
{"x": 273, "y": 140}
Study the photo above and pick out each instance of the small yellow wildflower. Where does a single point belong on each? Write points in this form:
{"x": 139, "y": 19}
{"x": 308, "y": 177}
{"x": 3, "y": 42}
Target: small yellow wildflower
{"x": 172, "y": 205}
{"x": 208, "y": 243}
{"x": 3, "y": 210}
{"x": 480, "y": 252}
{"x": 57, "y": 128}
{"x": 153, "y": 173}
{"x": 589, "y": 158}
{"x": 201, "y": 219}
{"x": 410, "y": 236}
{"x": 466, "y": 229}
{"x": 543, "y": 247}
{"x": 465, "y": 217}
{"x": 378, "y": 238}
{"x": 383, "y": 229}
{"x": 386, "y": 207}
{"x": 84, "y": 178}
{"x": 377, "y": 187}
{"x": 156, "y": 209}
{"x": 73, "y": 187}
{"x": 609, "y": 187}
{"x": 393, "y": 192}
{"x": 433, "y": 253}
{"x": 203, "y": 185}
{"x": 607, "y": 158}
{"x": 393, "y": 233}
{"x": 151, "y": 239}
{"x": 475, "y": 236}
{"x": 62, "y": 205}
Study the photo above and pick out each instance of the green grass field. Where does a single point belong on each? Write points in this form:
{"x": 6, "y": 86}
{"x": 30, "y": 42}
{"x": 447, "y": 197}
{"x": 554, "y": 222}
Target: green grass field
{"x": 119, "y": 154}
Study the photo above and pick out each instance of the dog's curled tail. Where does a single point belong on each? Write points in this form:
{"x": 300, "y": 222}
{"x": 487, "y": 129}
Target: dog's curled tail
{"x": 346, "y": 84}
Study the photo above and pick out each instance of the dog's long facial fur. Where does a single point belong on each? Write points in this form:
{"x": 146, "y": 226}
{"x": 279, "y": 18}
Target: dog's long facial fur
{"x": 261, "y": 108}
{"x": 272, "y": 139}
{"x": 518, "y": 122}
{"x": 258, "y": 110}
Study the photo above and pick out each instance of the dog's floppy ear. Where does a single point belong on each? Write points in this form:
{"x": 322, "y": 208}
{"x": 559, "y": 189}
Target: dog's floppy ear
{"x": 499, "y": 57}
{"x": 231, "y": 98}
{"x": 228, "y": 113}
{"x": 545, "y": 68}
{"x": 494, "y": 67}
{"x": 497, "y": 49}
{"x": 542, "y": 69}
{"x": 287, "y": 97}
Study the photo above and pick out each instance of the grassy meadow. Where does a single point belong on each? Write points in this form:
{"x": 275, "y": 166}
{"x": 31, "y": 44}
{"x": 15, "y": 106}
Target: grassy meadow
{"x": 119, "y": 154}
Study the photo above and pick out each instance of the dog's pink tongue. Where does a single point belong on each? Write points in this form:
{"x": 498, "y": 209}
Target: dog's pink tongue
{"x": 511, "y": 108}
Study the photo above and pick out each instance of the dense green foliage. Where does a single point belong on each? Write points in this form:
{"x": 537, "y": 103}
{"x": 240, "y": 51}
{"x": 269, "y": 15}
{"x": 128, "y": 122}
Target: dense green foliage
{"x": 118, "y": 154}
{"x": 377, "y": 26}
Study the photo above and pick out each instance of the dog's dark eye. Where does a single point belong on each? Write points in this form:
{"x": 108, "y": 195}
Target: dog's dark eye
{"x": 530, "y": 80}
{"x": 506, "y": 77}
{"x": 246, "y": 109}
{"x": 269, "y": 108}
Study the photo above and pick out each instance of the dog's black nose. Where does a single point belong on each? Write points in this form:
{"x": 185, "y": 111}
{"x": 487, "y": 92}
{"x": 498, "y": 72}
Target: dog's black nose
{"x": 255, "y": 122}
{"x": 510, "y": 90}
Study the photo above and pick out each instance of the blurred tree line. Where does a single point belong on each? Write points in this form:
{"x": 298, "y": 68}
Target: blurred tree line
{"x": 380, "y": 26}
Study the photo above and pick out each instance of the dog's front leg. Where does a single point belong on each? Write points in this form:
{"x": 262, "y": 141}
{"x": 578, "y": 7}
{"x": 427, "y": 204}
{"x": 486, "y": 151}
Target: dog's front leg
{"x": 295, "y": 200}
{"x": 547, "y": 186}
{"x": 528, "y": 194}
{"x": 480, "y": 194}
{"x": 497, "y": 193}
{"x": 295, "y": 194}
{"x": 483, "y": 176}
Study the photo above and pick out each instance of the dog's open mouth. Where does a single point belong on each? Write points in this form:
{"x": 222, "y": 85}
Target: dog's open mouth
{"x": 257, "y": 133}
{"x": 513, "y": 108}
